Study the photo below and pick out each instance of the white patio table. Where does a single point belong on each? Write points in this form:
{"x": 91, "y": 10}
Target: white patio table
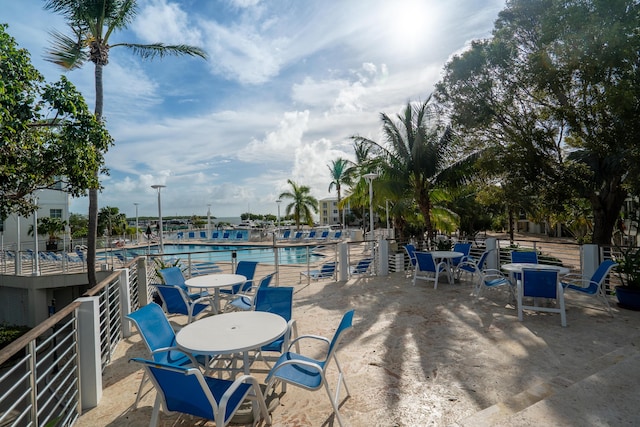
{"x": 446, "y": 256}
{"x": 231, "y": 333}
{"x": 215, "y": 281}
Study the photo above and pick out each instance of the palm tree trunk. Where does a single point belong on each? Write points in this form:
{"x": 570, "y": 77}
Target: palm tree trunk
{"x": 93, "y": 193}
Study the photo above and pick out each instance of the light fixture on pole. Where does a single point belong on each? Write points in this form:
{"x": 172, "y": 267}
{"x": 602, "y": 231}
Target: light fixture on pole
{"x": 370, "y": 177}
{"x": 137, "y": 228}
{"x": 160, "y": 227}
{"x": 278, "y": 202}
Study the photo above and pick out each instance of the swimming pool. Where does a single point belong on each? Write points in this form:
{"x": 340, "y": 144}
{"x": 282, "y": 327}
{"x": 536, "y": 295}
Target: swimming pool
{"x": 224, "y": 253}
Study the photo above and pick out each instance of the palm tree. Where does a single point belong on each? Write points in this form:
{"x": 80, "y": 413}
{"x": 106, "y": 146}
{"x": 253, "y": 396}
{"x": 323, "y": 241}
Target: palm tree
{"x": 302, "y": 203}
{"x": 416, "y": 158}
{"x": 339, "y": 170}
{"x": 92, "y": 23}
{"x": 111, "y": 220}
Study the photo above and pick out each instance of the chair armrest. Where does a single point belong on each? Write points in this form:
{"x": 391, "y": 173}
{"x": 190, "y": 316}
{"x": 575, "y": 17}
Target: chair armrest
{"x": 577, "y": 281}
{"x": 315, "y": 337}
{"x": 168, "y": 349}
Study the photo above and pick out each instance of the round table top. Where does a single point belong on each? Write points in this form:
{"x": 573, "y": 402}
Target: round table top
{"x": 216, "y": 280}
{"x": 446, "y": 254}
{"x": 519, "y": 266}
{"x": 231, "y": 332}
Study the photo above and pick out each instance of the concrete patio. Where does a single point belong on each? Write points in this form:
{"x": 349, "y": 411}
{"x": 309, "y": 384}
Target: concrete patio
{"x": 423, "y": 357}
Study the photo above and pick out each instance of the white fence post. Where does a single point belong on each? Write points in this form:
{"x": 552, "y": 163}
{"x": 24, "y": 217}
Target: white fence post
{"x": 492, "y": 259}
{"x": 125, "y": 302}
{"x": 383, "y": 257}
{"x": 88, "y": 315}
{"x": 343, "y": 262}
{"x": 590, "y": 259}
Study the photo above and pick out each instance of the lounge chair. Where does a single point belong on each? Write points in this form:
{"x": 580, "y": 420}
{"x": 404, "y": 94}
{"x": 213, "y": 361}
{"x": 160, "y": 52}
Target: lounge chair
{"x": 203, "y": 234}
{"x": 298, "y": 235}
{"x": 327, "y": 270}
{"x": 312, "y": 235}
{"x": 362, "y": 267}
{"x": 215, "y": 235}
{"x": 286, "y": 235}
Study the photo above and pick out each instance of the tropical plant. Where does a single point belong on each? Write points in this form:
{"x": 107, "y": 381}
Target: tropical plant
{"x": 416, "y": 158}
{"x": 302, "y": 204}
{"x": 339, "y": 170}
{"x": 92, "y": 22}
{"x": 111, "y": 221}
{"x": 49, "y": 227}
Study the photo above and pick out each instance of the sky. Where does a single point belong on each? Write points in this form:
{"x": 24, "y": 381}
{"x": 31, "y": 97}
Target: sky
{"x": 286, "y": 85}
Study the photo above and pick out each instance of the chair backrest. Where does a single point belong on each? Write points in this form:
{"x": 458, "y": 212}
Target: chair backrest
{"x": 465, "y": 248}
{"x": 539, "y": 283}
{"x": 312, "y": 234}
{"x": 248, "y": 270}
{"x": 600, "y": 274}
{"x": 337, "y": 235}
{"x": 265, "y": 281}
{"x": 424, "y": 261}
{"x": 174, "y": 299}
{"x": 411, "y": 253}
{"x": 286, "y": 234}
{"x": 173, "y": 276}
{"x": 225, "y": 235}
{"x": 483, "y": 259}
{"x": 345, "y": 323}
{"x": 530, "y": 257}
{"x": 298, "y": 235}
{"x": 362, "y": 266}
{"x": 324, "y": 234}
{"x": 203, "y": 234}
{"x": 215, "y": 235}
{"x": 155, "y": 329}
{"x": 192, "y": 235}
{"x": 239, "y": 235}
{"x": 327, "y": 269}
{"x": 278, "y": 300}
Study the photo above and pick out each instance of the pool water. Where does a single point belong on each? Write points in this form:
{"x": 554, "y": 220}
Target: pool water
{"x": 222, "y": 253}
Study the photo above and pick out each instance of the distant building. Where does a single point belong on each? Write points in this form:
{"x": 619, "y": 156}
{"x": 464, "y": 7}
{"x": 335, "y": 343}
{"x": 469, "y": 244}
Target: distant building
{"x": 51, "y": 203}
{"x": 329, "y": 212}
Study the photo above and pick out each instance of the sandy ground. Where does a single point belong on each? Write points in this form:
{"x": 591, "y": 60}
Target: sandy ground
{"x": 416, "y": 356}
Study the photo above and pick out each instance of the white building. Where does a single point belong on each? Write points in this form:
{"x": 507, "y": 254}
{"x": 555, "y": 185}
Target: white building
{"x": 329, "y": 212}
{"x": 51, "y": 203}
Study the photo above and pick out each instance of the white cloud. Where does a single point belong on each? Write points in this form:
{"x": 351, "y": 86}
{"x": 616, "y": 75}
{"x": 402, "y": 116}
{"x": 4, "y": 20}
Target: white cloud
{"x": 159, "y": 20}
{"x": 279, "y": 143}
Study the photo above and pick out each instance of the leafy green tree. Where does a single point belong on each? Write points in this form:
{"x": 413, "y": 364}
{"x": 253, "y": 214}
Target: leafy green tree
{"x": 417, "y": 159}
{"x": 78, "y": 224}
{"x": 558, "y": 76}
{"x": 47, "y": 133}
{"x": 339, "y": 170}
{"x": 92, "y": 23}
{"x": 302, "y": 203}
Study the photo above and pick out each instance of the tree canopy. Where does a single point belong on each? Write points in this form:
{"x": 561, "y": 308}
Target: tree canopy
{"x": 555, "y": 91}
{"x": 49, "y": 138}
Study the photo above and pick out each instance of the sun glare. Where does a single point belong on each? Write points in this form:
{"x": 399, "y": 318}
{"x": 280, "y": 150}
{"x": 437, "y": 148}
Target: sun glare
{"x": 409, "y": 22}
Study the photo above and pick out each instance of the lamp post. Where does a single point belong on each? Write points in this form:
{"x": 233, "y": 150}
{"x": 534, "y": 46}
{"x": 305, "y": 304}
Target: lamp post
{"x": 370, "y": 177}
{"x": 159, "y": 187}
{"x": 278, "y": 202}
{"x": 137, "y": 229}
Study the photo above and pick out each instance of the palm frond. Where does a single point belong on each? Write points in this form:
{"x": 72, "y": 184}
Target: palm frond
{"x": 160, "y": 50}
{"x": 67, "y": 52}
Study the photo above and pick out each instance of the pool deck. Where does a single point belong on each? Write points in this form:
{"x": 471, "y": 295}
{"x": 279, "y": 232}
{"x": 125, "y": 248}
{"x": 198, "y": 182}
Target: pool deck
{"x": 419, "y": 356}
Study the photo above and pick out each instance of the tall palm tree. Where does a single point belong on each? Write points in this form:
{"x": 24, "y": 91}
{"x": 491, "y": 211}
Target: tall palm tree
{"x": 416, "y": 157}
{"x": 92, "y": 23}
{"x": 302, "y": 203}
{"x": 339, "y": 170}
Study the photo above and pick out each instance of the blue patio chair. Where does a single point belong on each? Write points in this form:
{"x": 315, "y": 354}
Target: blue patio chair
{"x": 527, "y": 257}
{"x": 246, "y": 300}
{"x": 310, "y": 373}
{"x": 427, "y": 269}
{"x": 541, "y": 284}
{"x": 312, "y": 235}
{"x": 215, "y": 235}
{"x": 225, "y": 235}
{"x": 173, "y": 276}
{"x": 324, "y": 235}
{"x": 411, "y": 253}
{"x": 239, "y": 235}
{"x": 277, "y": 300}
{"x": 593, "y": 285}
{"x": 492, "y": 278}
{"x": 465, "y": 248}
{"x": 286, "y": 234}
{"x": 187, "y": 390}
{"x": 246, "y": 269}
{"x": 192, "y": 235}
{"x": 160, "y": 339}
{"x": 337, "y": 235}
{"x": 471, "y": 266}
{"x": 362, "y": 267}
{"x": 298, "y": 235}
{"x": 180, "y": 235}
{"x": 327, "y": 270}
{"x": 203, "y": 234}
{"x": 176, "y": 301}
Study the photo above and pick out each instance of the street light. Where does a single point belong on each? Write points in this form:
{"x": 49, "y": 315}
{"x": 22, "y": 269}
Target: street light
{"x": 159, "y": 187}
{"x": 278, "y": 202}
{"x": 370, "y": 177}
{"x": 137, "y": 228}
